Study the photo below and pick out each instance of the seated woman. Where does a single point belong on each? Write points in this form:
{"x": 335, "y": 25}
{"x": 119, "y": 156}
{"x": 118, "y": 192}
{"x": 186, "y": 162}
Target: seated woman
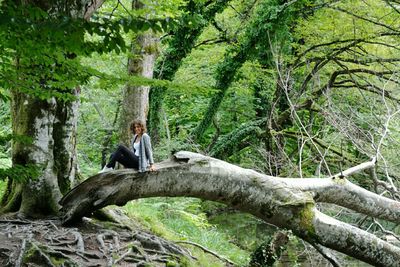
{"x": 141, "y": 155}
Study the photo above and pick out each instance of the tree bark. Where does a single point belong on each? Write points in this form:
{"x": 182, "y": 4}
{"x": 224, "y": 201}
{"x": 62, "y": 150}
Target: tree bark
{"x": 64, "y": 135}
{"x": 135, "y": 101}
{"x": 272, "y": 199}
{"x": 35, "y": 118}
{"x": 49, "y": 123}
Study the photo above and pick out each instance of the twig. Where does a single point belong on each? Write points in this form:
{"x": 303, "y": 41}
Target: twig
{"x": 355, "y": 169}
{"x": 386, "y": 231}
{"x": 327, "y": 255}
{"x": 207, "y": 251}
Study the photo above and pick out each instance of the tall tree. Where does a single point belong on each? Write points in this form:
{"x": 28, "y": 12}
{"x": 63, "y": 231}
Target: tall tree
{"x": 135, "y": 100}
{"x": 44, "y": 106}
{"x": 268, "y": 19}
{"x": 184, "y": 36}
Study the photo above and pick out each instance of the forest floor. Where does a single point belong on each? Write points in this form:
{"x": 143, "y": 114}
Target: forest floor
{"x": 90, "y": 243}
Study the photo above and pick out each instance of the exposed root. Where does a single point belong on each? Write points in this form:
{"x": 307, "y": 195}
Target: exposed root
{"x": 208, "y": 251}
{"x": 123, "y": 256}
{"x": 48, "y": 243}
{"x": 37, "y": 255}
{"x": 21, "y": 253}
{"x": 80, "y": 245}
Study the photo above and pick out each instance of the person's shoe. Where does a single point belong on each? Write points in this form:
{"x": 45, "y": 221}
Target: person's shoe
{"x": 106, "y": 169}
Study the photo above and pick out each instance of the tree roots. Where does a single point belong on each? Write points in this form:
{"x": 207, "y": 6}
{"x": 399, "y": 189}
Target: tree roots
{"x": 47, "y": 243}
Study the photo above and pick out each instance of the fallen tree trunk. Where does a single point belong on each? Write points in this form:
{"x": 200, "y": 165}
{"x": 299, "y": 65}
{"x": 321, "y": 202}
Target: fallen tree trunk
{"x": 278, "y": 201}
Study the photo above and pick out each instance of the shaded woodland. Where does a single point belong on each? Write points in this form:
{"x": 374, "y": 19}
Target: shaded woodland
{"x": 290, "y": 110}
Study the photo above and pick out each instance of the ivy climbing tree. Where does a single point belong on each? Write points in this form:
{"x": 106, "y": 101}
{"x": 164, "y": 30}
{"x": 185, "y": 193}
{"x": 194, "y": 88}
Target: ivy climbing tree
{"x": 197, "y": 16}
{"x": 267, "y": 22}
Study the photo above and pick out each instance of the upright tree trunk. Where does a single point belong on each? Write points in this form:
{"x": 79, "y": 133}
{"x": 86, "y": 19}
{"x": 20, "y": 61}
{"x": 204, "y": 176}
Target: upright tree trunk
{"x": 50, "y": 124}
{"x": 183, "y": 40}
{"x": 35, "y": 118}
{"x": 135, "y": 102}
{"x": 64, "y": 135}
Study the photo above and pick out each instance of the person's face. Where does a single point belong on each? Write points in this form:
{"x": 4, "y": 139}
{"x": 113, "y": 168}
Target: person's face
{"x": 137, "y": 129}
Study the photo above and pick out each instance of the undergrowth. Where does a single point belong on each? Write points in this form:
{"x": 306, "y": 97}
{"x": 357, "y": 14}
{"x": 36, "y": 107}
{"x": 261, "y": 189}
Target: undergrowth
{"x": 182, "y": 219}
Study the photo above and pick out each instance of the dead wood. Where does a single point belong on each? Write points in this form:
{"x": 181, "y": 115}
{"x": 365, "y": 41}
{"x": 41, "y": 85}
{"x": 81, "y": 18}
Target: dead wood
{"x": 283, "y": 202}
{"x": 208, "y": 251}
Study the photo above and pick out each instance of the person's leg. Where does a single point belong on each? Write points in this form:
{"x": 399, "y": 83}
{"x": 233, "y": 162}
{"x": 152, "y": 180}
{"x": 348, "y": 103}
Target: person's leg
{"x": 130, "y": 160}
{"x": 124, "y": 156}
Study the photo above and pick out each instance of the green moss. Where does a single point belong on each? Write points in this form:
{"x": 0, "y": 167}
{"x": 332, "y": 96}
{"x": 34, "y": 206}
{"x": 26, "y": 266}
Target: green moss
{"x": 306, "y": 216}
{"x": 151, "y": 49}
{"x": 203, "y": 162}
{"x": 255, "y": 180}
{"x": 29, "y": 254}
{"x": 339, "y": 181}
{"x": 58, "y": 261}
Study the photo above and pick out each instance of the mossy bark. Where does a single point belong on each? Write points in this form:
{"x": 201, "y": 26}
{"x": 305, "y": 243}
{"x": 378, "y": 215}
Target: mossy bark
{"x": 135, "y": 101}
{"x": 11, "y": 200}
{"x": 272, "y": 199}
{"x": 35, "y": 118}
{"x": 183, "y": 40}
{"x": 64, "y": 135}
{"x": 50, "y": 124}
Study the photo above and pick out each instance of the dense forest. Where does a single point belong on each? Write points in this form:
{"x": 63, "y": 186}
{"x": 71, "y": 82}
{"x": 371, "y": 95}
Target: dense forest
{"x": 274, "y": 126}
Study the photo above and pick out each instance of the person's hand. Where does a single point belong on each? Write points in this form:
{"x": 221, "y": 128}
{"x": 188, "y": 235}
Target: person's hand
{"x": 152, "y": 168}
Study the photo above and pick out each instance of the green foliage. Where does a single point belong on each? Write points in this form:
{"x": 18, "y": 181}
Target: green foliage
{"x": 20, "y": 173}
{"x": 263, "y": 256}
{"x": 47, "y": 47}
{"x": 183, "y": 219}
{"x": 230, "y": 143}
{"x": 18, "y": 138}
{"x": 270, "y": 67}
{"x": 196, "y": 17}
{"x": 269, "y": 21}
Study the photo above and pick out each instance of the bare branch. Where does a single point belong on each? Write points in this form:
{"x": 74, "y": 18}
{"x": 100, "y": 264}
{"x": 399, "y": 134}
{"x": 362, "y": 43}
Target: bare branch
{"x": 366, "y": 19}
{"x": 284, "y": 202}
{"x": 91, "y": 8}
{"x": 207, "y": 251}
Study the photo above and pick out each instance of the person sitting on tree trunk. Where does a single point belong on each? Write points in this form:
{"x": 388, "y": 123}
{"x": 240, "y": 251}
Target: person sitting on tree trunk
{"x": 141, "y": 155}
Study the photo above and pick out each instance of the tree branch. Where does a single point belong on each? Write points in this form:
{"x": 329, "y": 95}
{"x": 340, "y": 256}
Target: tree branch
{"x": 91, "y": 8}
{"x": 285, "y": 203}
{"x": 207, "y": 251}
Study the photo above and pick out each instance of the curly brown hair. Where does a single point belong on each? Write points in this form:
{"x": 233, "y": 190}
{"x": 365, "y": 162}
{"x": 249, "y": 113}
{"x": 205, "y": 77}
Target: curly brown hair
{"x": 138, "y": 123}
